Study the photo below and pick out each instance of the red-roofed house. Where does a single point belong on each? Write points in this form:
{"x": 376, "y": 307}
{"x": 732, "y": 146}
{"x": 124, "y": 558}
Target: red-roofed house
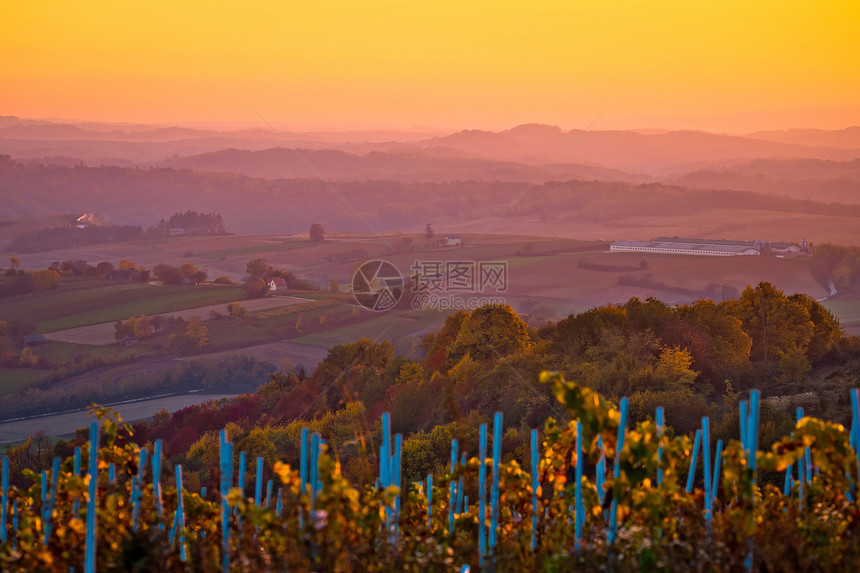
{"x": 276, "y": 283}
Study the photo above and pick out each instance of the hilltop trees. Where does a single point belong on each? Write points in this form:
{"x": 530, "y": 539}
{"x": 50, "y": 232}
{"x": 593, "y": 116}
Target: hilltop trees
{"x": 104, "y": 269}
{"x": 23, "y": 282}
{"x": 317, "y": 233}
{"x": 168, "y": 274}
{"x": 258, "y": 268}
{"x": 45, "y": 279}
{"x": 255, "y": 288}
{"x": 775, "y": 323}
{"x": 192, "y": 340}
{"x": 489, "y": 332}
{"x": 192, "y": 223}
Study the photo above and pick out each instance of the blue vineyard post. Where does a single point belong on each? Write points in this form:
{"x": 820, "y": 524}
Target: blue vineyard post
{"x": 494, "y": 492}
{"x": 4, "y": 503}
{"x": 90, "y": 555}
{"x": 482, "y": 493}
{"x": 622, "y": 430}
{"x": 691, "y": 476}
{"x": 226, "y": 464}
{"x": 534, "y": 448}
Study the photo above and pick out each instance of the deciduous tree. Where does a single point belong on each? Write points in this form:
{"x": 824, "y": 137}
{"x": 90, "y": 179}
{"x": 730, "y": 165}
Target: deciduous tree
{"x": 317, "y": 233}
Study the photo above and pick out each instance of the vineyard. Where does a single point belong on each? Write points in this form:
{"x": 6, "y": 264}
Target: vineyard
{"x": 600, "y": 494}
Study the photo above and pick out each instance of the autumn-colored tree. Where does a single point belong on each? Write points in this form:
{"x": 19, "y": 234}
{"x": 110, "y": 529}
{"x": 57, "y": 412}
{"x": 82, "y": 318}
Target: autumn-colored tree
{"x": 826, "y": 331}
{"x": 255, "y": 288}
{"x": 493, "y": 331}
{"x": 35, "y": 454}
{"x": 104, "y": 269}
{"x": 258, "y": 268}
{"x": 236, "y": 310}
{"x": 193, "y": 339}
{"x": 578, "y": 332}
{"x": 197, "y": 332}
{"x": 27, "y": 359}
{"x": 139, "y": 326}
{"x": 187, "y": 270}
{"x": 167, "y": 274}
{"x": 45, "y": 279}
{"x": 436, "y": 344}
{"x": 775, "y": 323}
{"x": 158, "y": 322}
{"x": 127, "y": 265}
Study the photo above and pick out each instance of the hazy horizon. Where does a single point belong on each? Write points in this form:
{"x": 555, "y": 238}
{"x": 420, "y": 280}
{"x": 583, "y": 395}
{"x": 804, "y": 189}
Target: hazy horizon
{"x": 728, "y": 68}
{"x": 740, "y": 124}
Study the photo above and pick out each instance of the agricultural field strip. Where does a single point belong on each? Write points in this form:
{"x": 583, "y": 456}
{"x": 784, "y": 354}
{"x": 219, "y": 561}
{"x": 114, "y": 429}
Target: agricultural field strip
{"x": 62, "y": 310}
{"x": 103, "y": 334}
{"x": 67, "y": 422}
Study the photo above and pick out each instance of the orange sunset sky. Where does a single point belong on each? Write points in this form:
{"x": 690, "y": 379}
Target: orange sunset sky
{"x": 726, "y": 66}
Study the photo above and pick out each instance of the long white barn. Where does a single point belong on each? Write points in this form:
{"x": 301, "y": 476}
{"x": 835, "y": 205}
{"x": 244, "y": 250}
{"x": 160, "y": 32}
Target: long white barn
{"x": 688, "y": 247}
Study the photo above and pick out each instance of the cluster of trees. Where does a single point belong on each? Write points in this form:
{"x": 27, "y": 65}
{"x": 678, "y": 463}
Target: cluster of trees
{"x": 838, "y": 264}
{"x": 144, "y": 326}
{"x": 192, "y": 223}
{"x": 13, "y": 352}
{"x": 259, "y": 271}
{"x": 188, "y": 223}
{"x": 192, "y": 339}
{"x": 692, "y": 359}
{"x": 19, "y": 281}
{"x": 187, "y": 337}
{"x": 187, "y": 272}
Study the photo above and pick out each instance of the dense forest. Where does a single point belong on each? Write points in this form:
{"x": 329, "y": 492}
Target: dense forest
{"x": 140, "y": 196}
{"x": 192, "y": 223}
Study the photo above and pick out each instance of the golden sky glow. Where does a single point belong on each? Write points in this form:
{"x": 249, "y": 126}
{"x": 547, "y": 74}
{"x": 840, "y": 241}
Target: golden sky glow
{"x": 435, "y": 63}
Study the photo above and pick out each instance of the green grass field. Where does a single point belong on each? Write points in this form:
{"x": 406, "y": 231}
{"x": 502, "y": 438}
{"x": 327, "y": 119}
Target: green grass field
{"x": 263, "y": 326}
{"x": 62, "y": 309}
{"x": 12, "y": 378}
{"x": 385, "y": 326}
{"x": 256, "y": 249}
{"x": 848, "y": 312}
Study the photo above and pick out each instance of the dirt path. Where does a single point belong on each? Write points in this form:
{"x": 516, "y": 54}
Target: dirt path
{"x": 67, "y": 423}
{"x": 103, "y": 334}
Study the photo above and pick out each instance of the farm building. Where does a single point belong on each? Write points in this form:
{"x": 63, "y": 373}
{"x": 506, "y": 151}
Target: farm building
{"x": 709, "y": 247}
{"x": 683, "y": 246}
{"x": 452, "y": 240}
{"x": 34, "y": 340}
{"x": 276, "y": 283}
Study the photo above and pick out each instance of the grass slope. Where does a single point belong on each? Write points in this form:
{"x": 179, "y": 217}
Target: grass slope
{"x": 59, "y": 310}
